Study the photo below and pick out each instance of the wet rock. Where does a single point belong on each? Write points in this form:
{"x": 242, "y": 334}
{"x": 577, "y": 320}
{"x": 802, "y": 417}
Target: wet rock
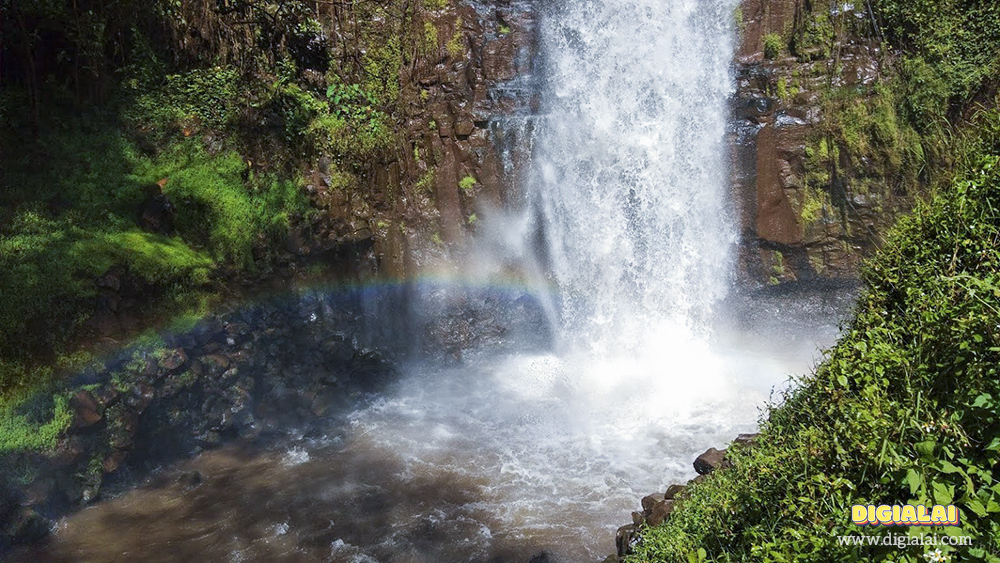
{"x": 173, "y": 359}
{"x": 29, "y": 527}
{"x": 71, "y": 451}
{"x": 157, "y": 212}
{"x": 464, "y": 128}
{"x": 649, "y": 501}
{"x": 113, "y": 461}
{"x": 673, "y": 491}
{"x": 542, "y": 557}
{"x": 709, "y": 461}
{"x": 661, "y": 511}
{"x": 86, "y": 411}
{"x": 745, "y": 439}
{"x": 625, "y": 538}
{"x": 611, "y": 559}
{"x": 638, "y": 518}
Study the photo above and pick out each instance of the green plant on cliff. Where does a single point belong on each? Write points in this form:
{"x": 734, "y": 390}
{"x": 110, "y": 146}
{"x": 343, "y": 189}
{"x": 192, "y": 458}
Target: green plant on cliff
{"x": 467, "y": 183}
{"x": 456, "y": 45}
{"x": 773, "y": 45}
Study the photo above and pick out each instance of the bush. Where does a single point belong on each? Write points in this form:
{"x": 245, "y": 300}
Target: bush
{"x": 773, "y": 45}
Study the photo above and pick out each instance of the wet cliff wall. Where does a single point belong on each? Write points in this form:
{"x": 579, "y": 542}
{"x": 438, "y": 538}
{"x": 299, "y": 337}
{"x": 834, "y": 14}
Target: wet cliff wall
{"x": 822, "y": 164}
{"x": 458, "y": 156}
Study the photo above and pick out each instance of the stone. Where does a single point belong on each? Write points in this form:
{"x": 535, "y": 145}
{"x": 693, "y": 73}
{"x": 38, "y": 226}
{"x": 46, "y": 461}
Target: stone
{"x": 113, "y": 461}
{"x": 650, "y": 500}
{"x": 190, "y": 479}
{"x": 624, "y": 538}
{"x": 157, "y": 212}
{"x": 86, "y": 411}
{"x": 638, "y": 518}
{"x": 661, "y": 511}
{"x": 673, "y": 491}
{"x": 611, "y": 559}
{"x": 745, "y": 439}
{"x": 464, "y": 128}
{"x": 29, "y": 527}
{"x": 709, "y": 461}
{"x": 173, "y": 359}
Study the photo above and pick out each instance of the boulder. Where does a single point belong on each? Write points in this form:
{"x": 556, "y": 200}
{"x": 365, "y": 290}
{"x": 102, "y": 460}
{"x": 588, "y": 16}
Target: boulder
{"x": 624, "y": 539}
{"x": 29, "y": 527}
{"x": 649, "y": 501}
{"x": 709, "y": 461}
{"x": 673, "y": 491}
{"x": 173, "y": 359}
{"x": 86, "y": 411}
{"x": 661, "y": 511}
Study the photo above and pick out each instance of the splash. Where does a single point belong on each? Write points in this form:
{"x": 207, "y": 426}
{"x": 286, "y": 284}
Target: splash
{"x": 629, "y": 184}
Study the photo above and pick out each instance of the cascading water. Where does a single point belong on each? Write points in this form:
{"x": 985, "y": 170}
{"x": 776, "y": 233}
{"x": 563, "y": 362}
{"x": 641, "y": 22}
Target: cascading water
{"x": 502, "y": 456}
{"x": 629, "y": 179}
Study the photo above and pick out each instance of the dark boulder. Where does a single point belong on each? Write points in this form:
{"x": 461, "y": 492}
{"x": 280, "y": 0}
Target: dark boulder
{"x": 709, "y": 461}
{"x": 157, "y": 212}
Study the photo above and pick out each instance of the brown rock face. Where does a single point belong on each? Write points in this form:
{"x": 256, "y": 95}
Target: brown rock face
{"x": 660, "y": 512}
{"x": 799, "y": 219}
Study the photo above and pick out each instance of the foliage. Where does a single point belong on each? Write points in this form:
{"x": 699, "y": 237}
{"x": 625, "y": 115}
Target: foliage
{"x": 905, "y": 409}
{"x": 950, "y": 51}
{"x": 71, "y": 222}
{"x": 773, "y": 45}
{"x": 467, "y": 183}
{"x": 33, "y": 423}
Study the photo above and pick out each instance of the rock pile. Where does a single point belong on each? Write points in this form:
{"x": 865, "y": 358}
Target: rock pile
{"x": 657, "y": 507}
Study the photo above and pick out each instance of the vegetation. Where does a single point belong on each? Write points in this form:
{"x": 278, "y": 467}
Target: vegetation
{"x": 207, "y": 110}
{"x": 773, "y": 45}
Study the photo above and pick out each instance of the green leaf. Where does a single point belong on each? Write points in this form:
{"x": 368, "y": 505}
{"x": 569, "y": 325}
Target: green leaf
{"x": 926, "y": 449}
{"x": 914, "y": 479}
{"x": 943, "y": 493}
{"x": 983, "y": 400}
{"x": 977, "y": 507}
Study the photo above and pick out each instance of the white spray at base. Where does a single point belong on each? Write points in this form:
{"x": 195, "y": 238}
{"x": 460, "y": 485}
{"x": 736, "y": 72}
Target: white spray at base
{"x": 628, "y": 216}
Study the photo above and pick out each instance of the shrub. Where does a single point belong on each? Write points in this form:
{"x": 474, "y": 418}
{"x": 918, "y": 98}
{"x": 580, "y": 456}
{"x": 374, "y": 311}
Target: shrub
{"x": 773, "y": 45}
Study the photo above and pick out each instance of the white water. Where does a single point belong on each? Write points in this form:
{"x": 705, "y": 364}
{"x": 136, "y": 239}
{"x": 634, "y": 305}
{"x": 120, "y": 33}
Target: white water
{"x": 629, "y": 181}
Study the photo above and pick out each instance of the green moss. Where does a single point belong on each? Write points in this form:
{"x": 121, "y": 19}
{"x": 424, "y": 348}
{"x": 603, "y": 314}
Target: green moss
{"x": 467, "y": 183}
{"x": 456, "y": 45}
{"x": 429, "y": 44}
{"x": 773, "y": 45}
{"x": 426, "y": 183}
{"x": 435, "y": 4}
{"x": 814, "y": 202}
{"x": 32, "y": 424}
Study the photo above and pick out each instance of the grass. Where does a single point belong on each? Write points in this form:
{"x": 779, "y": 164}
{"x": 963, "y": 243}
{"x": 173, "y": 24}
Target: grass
{"x": 67, "y": 224}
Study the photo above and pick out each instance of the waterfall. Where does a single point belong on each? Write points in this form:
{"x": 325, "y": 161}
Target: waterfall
{"x": 629, "y": 186}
